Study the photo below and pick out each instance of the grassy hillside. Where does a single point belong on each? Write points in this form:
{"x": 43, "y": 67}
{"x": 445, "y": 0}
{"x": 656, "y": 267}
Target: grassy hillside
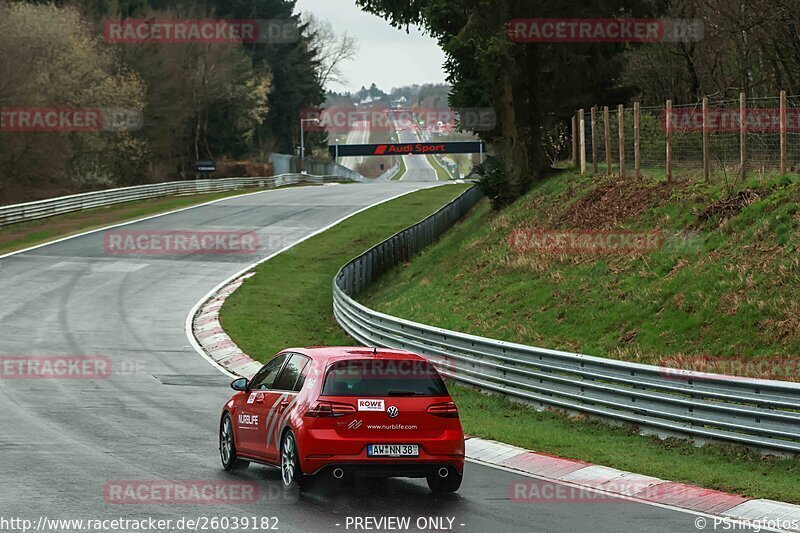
{"x": 723, "y": 283}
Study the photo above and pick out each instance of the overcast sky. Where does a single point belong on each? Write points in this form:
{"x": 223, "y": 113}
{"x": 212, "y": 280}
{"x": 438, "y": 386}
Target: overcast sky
{"x": 386, "y": 56}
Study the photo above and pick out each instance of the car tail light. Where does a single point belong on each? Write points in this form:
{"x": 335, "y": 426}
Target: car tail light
{"x": 444, "y": 410}
{"x": 330, "y": 410}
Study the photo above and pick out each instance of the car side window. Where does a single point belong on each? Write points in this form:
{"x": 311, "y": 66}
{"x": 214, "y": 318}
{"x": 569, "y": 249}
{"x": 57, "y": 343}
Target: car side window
{"x": 291, "y": 373}
{"x": 264, "y": 379}
{"x": 301, "y": 379}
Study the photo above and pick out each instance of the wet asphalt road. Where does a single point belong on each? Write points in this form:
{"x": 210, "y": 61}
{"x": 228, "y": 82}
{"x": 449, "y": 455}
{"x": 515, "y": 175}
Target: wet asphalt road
{"x": 155, "y": 417}
{"x": 417, "y": 166}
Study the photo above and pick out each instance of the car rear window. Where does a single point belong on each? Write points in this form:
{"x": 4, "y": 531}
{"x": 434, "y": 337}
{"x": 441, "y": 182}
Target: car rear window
{"x": 383, "y": 377}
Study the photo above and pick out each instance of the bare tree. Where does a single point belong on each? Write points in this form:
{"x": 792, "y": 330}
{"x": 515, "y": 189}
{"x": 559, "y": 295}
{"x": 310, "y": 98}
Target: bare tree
{"x": 332, "y": 49}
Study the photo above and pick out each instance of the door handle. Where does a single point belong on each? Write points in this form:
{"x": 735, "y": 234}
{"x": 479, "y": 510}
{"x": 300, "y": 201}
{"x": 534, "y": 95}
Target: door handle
{"x": 284, "y": 404}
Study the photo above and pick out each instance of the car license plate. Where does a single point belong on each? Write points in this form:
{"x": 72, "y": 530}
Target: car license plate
{"x": 393, "y": 450}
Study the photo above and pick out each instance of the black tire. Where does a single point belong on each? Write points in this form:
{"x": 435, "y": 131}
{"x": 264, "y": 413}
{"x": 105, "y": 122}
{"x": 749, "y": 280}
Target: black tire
{"x": 292, "y": 475}
{"x": 440, "y": 485}
{"x": 227, "y": 446}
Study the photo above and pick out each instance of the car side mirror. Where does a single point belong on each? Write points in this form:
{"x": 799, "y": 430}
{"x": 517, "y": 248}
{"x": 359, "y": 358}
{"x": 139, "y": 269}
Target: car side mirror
{"x": 239, "y": 384}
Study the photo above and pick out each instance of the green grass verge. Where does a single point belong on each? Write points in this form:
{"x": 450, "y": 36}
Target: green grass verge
{"x": 726, "y": 468}
{"x": 401, "y": 171}
{"x": 25, "y": 234}
{"x": 289, "y": 301}
{"x": 441, "y": 173}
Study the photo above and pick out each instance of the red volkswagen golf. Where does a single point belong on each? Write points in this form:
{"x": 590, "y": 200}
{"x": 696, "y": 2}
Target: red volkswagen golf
{"x": 347, "y": 412}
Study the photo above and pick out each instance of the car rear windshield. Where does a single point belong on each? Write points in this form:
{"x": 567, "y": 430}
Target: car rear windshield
{"x": 383, "y": 377}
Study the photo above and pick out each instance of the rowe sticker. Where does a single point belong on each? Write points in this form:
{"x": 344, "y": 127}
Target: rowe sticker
{"x": 370, "y": 405}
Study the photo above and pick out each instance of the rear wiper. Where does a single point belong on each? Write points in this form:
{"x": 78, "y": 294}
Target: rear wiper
{"x": 403, "y": 393}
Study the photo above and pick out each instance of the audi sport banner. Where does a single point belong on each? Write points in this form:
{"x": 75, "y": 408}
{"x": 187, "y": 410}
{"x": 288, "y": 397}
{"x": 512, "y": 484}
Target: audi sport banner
{"x": 460, "y": 147}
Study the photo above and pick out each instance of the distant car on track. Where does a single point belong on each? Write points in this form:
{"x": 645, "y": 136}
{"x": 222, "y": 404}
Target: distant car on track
{"x": 347, "y": 412}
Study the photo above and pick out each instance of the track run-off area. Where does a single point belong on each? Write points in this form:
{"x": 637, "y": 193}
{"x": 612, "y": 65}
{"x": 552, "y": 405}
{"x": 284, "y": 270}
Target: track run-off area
{"x": 67, "y": 444}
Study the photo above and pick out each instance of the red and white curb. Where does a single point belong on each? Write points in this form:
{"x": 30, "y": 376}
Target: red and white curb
{"x": 214, "y": 341}
{"x": 581, "y": 475}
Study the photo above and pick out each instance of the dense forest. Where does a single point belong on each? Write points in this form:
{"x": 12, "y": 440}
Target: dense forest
{"x": 196, "y": 100}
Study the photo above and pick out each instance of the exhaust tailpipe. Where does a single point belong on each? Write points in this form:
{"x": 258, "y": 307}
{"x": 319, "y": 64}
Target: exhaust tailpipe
{"x": 338, "y": 473}
{"x": 444, "y": 472}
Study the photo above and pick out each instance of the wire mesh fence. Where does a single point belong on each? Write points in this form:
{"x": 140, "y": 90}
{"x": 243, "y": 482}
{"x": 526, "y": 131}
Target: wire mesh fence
{"x": 643, "y": 138}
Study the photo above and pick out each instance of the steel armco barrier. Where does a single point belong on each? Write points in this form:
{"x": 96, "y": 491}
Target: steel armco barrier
{"x": 11, "y": 214}
{"x": 754, "y": 412}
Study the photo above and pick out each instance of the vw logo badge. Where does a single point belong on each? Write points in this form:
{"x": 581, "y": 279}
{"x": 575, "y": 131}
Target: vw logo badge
{"x": 392, "y": 411}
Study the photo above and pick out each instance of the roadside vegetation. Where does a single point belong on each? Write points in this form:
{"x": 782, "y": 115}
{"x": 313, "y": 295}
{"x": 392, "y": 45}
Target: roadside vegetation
{"x": 176, "y": 102}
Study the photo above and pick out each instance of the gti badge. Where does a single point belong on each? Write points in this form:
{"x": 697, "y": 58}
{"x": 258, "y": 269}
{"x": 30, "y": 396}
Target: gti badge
{"x": 392, "y": 411}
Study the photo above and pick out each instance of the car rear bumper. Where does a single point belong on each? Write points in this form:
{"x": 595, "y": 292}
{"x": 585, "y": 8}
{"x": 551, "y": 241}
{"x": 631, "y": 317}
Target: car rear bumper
{"x": 323, "y": 449}
{"x": 390, "y": 469}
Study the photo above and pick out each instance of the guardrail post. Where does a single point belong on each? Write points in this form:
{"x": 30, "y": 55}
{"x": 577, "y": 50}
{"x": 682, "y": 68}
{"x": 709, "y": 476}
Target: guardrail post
{"x": 574, "y": 140}
{"x": 607, "y": 134}
{"x": 743, "y": 134}
{"x": 582, "y": 141}
{"x": 669, "y": 140}
{"x": 637, "y": 159}
{"x": 593, "y": 119}
{"x": 784, "y": 158}
{"x": 706, "y": 149}
{"x": 621, "y": 127}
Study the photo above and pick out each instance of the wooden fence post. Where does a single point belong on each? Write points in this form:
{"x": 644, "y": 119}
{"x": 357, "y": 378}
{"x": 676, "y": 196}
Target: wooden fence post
{"x": 637, "y": 157}
{"x": 574, "y": 141}
{"x": 706, "y": 149}
{"x": 784, "y": 158}
{"x": 669, "y": 140}
{"x": 607, "y": 125}
{"x": 621, "y": 127}
{"x": 743, "y": 134}
{"x": 593, "y": 119}
{"x": 581, "y": 141}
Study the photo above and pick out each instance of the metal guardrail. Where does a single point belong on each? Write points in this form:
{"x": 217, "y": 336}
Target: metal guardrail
{"x": 754, "y": 412}
{"x": 12, "y": 214}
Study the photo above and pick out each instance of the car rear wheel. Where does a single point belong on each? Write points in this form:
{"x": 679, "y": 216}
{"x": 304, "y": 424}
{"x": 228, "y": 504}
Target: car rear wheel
{"x": 450, "y": 483}
{"x": 227, "y": 447}
{"x": 291, "y": 473}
